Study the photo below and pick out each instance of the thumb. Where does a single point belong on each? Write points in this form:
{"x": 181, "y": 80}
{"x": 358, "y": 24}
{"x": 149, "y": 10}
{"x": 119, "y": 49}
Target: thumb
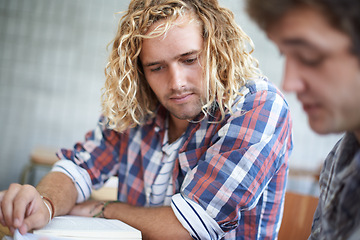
{"x": 34, "y": 221}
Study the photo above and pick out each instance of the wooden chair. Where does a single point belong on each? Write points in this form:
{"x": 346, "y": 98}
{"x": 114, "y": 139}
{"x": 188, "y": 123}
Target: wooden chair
{"x": 40, "y": 157}
{"x": 298, "y": 216}
{"x": 44, "y": 157}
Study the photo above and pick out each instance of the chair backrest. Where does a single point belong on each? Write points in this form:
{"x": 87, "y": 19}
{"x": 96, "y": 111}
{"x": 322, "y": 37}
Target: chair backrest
{"x": 298, "y": 216}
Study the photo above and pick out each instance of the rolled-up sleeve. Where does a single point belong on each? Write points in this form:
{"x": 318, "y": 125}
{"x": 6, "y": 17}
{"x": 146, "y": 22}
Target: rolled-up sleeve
{"x": 199, "y": 224}
{"x": 98, "y": 155}
{"x": 78, "y": 175}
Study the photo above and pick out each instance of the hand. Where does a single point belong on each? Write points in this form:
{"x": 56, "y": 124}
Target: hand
{"x": 21, "y": 207}
{"x": 88, "y": 208}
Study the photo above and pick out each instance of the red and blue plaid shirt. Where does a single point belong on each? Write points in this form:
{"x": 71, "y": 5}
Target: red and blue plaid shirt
{"x": 234, "y": 171}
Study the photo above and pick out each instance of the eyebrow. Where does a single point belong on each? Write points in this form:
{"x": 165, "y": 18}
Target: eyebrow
{"x": 299, "y": 42}
{"x": 176, "y": 57}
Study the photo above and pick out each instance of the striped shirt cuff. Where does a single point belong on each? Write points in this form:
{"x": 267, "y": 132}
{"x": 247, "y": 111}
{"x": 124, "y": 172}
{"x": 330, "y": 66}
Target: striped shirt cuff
{"x": 194, "y": 218}
{"x": 78, "y": 175}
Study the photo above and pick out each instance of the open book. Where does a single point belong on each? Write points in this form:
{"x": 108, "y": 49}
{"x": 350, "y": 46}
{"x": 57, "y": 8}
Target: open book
{"x": 74, "y": 227}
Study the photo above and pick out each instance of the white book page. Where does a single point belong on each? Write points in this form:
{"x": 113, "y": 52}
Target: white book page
{"x": 30, "y": 236}
{"x": 77, "y": 227}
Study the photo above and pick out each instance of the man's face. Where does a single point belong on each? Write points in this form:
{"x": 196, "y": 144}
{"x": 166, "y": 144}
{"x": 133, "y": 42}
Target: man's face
{"x": 172, "y": 67}
{"x": 320, "y": 69}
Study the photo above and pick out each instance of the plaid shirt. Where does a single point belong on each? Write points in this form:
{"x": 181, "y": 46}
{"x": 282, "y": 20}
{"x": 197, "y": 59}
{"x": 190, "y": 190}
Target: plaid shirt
{"x": 233, "y": 171}
{"x": 338, "y": 213}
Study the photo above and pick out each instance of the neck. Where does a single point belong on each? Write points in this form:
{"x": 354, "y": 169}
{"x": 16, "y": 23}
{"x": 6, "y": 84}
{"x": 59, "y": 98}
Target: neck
{"x": 176, "y": 128}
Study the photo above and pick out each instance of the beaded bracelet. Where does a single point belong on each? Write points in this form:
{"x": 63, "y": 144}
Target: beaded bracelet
{"x": 52, "y": 210}
{"x": 101, "y": 213}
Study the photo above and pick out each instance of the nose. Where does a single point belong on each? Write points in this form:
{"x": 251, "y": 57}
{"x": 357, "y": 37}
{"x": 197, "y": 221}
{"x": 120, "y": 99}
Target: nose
{"x": 177, "y": 77}
{"x": 292, "y": 79}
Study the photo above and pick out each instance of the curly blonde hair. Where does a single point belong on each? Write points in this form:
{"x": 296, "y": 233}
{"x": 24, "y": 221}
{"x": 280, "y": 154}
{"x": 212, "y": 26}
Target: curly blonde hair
{"x": 127, "y": 98}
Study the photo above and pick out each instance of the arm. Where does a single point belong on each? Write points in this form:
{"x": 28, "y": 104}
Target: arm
{"x": 22, "y": 206}
{"x": 153, "y": 222}
{"x": 60, "y": 189}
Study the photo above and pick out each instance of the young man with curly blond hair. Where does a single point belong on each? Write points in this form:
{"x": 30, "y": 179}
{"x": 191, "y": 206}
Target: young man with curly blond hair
{"x": 320, "y": 40}
{"x": 197, "y": 137}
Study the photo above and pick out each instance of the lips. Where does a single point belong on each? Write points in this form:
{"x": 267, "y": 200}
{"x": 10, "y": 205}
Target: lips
{"x": 311, "y": 108}
{"x": 309, "y": 104}
{"x": 181, "y": 98}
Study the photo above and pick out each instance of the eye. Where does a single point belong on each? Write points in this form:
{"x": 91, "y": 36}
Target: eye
{"x": 190, "y": 60}
{"x": 156, "y": 69}
{"x": 311, "y": 62}
{"x": 310, "y": 58}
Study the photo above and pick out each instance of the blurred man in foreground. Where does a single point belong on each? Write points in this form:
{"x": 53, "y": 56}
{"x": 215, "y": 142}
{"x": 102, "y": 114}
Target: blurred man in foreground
{"x": 320, "y": 40}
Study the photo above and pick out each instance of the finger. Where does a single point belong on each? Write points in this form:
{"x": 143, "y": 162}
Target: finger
{"x": 30, "y": 209}
{"x": 87, "y": 209}
{"x": 7, "y": 204}
{"x": 2, "y": 221}
{"x": 35, "y": 221}
{"x": 27, "y": 201}
{"x": 12, "y": 230}
{"x": 2, "y": 193}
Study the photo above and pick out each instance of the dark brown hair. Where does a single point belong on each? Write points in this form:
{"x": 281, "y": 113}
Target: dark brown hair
{"x": 343, "y": 15}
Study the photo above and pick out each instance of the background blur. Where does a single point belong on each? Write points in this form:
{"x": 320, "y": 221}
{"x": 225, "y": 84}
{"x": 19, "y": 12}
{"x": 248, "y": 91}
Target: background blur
{"x": 52, "y": 59}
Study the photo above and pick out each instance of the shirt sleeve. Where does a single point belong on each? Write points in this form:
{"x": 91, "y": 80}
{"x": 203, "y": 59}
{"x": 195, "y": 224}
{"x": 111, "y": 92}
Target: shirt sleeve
{"x": 194, "y": 218}
{"x": 232, "y": 172}
{"x": 78, "y": 175}
{"x": 98, "y": 154}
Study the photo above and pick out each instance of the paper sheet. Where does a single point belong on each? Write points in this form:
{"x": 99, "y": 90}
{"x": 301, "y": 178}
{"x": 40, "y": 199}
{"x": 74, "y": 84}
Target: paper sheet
{"x": 29, "y": 236}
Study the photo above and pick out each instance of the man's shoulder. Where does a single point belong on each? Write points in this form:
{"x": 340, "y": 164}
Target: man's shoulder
{"x": 259, "y": 84}
{"x": 259, "y": 90}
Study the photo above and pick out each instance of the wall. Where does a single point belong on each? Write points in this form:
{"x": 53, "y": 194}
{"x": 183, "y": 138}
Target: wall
{"x": 52, "y": 56}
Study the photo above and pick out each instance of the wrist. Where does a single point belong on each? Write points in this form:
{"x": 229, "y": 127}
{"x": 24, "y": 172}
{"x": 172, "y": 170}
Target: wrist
{"x": 50, "y": 206}
{"x": 101, "y": 213}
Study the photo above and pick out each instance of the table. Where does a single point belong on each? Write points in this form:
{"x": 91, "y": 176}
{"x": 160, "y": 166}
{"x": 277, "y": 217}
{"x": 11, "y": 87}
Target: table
{"x": 4, "y": 231}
